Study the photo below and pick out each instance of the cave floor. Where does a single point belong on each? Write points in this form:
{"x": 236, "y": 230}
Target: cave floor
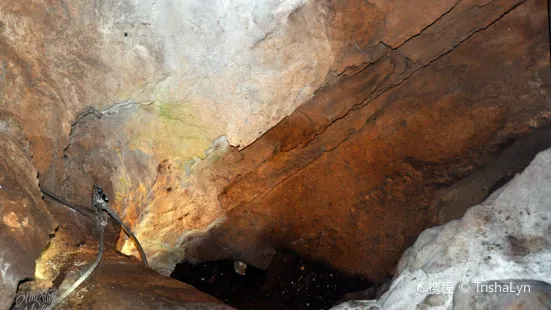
{"x": 290, "y": 282}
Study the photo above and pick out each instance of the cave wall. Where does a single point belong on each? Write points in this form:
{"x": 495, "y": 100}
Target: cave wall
{"x": 354, "y": 175}
{"x": 378, "y": 144}
{"x": 501, "y": 242}
{"x": 376, "y": 107}
{"x": 25, "y": 223}
{"x": 211, "y": 68}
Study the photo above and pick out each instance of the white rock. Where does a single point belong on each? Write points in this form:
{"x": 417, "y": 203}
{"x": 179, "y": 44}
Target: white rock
{"x": 240, "y": 63}
{"x": 236, "y": 66}
{"x": 506, "y": 237}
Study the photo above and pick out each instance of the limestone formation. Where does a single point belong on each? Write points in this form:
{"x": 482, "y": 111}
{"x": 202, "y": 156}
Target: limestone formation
{"x": 230, "y": 129}
{"x": 496, "y": 257}
{"x": 377, "y": 144}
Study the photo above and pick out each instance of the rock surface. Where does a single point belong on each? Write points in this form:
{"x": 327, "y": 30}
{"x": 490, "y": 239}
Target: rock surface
{"x": 159, "y": 103}
{"x": 351, "y": 158}
{"x": 25, "y": 224}
{"x": 119, "y": 282}
{"x": 519, "y": 295}
{"x": 223, "y": 64}
{"x": 379, "y": 143}
{"x": 504, "y": 242}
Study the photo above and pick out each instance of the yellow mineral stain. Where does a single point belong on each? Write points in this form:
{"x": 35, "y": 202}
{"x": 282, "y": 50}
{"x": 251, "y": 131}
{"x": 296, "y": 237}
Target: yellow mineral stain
{"x": 129, "y": 248}
{"x": 12, "y": 220}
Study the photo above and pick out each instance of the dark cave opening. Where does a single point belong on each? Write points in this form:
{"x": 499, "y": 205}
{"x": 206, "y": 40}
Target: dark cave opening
{"x": 290, "y": 282}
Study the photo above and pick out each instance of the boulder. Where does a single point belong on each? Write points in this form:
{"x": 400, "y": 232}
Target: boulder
{"x": 496, "y": 257}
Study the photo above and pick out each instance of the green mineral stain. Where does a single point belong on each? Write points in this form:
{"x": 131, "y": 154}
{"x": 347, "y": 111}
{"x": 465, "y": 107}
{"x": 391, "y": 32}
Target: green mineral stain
{"x": 170, "y": 130}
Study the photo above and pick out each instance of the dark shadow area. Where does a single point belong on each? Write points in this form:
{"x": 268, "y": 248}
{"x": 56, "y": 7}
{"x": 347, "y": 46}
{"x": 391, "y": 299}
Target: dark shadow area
{"x": 514, "y": 156}
{"x": 289, "y": 282}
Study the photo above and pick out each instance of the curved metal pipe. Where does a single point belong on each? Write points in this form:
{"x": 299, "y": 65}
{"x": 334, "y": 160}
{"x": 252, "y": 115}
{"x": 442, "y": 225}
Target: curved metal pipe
{"x": 99, "y": 204}
{"x": 129, "y": 233}
{"x": 84, "y": 211}
{"x": 101, "y": 225}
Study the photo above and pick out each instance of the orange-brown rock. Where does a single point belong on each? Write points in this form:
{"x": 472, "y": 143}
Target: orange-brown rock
{"x": 418, "y": 96}
{"x": 351, "y": 177}
{"x": 25, "y": 224}
{"x": 119, "y": 282}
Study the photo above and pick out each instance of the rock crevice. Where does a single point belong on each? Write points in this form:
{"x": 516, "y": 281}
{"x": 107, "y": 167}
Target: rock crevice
{"x": 227, "y": 130}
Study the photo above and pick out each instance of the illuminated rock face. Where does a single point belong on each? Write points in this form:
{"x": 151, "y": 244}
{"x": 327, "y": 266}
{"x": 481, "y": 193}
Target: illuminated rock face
{"x": 229, "y": 129}
{"x": 355, "y": 174}
{"x": 231, "y": 68}
{"x": 484, "y": 259}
